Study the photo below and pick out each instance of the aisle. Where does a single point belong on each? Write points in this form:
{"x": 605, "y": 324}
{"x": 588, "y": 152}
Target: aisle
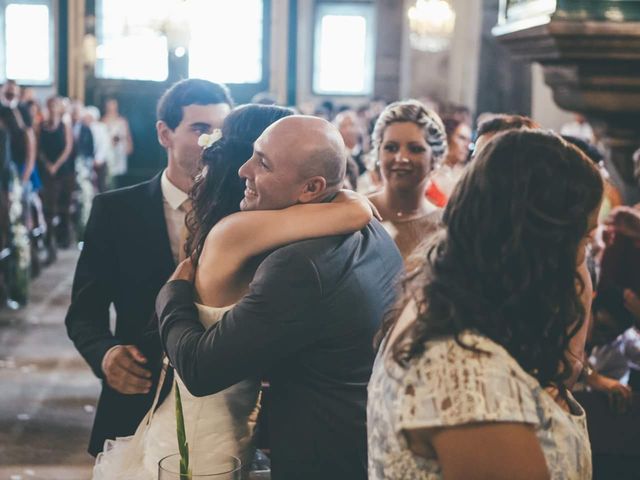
{"x": 48, "y": 392}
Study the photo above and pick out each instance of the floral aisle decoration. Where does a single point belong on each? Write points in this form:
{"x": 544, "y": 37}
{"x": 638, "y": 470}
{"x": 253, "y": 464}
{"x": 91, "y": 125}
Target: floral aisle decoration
{"x": 20, "y": 260}
{"x": 84, "y": 194}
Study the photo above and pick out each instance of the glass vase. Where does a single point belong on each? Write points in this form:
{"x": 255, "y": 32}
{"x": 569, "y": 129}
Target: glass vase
{"x": 203, "y": 466}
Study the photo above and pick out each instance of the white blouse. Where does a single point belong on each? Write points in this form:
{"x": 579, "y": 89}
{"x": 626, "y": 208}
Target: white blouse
{"x": 450, "y": 386}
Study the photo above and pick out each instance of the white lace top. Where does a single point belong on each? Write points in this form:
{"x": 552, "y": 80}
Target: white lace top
{"x": 449, "y": 386}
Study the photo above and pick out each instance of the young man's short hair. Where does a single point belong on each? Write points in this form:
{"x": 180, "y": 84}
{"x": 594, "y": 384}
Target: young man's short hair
{"x": 187, "y": 92}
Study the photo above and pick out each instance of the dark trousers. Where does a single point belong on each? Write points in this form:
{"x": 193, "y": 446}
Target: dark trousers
{"x": 56, "y": 195}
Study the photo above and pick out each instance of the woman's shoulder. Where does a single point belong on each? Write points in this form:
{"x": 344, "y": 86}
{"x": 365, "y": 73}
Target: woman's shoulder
{"x": 469, "y": 379}
{"x": 470, "y": 348}
{"x": 471, "y": 361}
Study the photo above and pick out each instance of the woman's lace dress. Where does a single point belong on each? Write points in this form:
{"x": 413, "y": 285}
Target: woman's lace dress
{"x": 450, "y": 386}
{"x": 219, "y": 423}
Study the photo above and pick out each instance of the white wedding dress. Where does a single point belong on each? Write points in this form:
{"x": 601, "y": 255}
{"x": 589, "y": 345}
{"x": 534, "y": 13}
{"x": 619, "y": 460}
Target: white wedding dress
{"x": 222, "y": 423}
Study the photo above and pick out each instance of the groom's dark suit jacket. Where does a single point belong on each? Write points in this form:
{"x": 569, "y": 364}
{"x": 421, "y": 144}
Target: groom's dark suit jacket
{"x": 125, "y": 261}
{"x": 307, "y": 322}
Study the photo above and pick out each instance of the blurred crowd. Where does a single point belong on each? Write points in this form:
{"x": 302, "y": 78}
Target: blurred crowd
{"x": 54, "y": 156}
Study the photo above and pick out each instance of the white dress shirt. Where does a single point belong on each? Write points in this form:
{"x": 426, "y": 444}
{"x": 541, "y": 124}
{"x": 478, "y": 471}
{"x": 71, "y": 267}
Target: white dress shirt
{"x": 172, "y": 200}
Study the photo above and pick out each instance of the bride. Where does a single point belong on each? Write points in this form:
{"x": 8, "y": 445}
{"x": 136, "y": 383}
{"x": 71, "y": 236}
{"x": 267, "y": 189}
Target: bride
{"x": 224, "y": 422}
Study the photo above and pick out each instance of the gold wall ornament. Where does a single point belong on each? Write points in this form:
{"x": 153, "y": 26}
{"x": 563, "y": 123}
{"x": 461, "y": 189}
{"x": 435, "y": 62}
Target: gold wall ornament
{"x": 431, "y": 24}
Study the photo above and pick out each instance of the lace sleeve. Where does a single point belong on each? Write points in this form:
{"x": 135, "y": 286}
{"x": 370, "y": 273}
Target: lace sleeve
{"x": 452, "y": 386}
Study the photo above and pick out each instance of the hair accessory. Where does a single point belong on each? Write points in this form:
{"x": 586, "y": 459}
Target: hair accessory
{"x": 206, "y": 140}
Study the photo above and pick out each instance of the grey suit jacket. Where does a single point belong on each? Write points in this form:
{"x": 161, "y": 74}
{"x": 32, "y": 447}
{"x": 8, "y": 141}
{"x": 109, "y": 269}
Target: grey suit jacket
{"x": 307, "y": 323}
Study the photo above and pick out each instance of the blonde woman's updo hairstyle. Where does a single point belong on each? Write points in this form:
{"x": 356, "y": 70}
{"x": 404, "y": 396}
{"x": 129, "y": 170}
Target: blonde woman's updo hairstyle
{"x": 415, "y": 112}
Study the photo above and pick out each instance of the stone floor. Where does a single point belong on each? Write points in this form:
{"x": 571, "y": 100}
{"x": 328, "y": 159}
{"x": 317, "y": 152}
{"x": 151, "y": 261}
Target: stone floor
{"x": 48, "y": 393}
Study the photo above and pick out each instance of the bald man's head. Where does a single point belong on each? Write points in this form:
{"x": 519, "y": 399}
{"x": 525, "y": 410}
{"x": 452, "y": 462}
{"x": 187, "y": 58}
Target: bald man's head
{"x": 298, "y": 159}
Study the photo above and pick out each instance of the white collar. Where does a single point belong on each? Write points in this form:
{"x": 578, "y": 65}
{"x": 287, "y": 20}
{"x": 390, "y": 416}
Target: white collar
{"x": 11, "y": 104}
{"x": 172, "y": 194}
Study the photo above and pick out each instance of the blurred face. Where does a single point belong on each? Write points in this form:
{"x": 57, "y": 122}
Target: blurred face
{"x": 459, "y": 144}
{"x": 273, "y": 180}
{"x": 87, "y": 118}
{"x": 182, "y": 143}
{"x": 349, "y": 129}
{"x": 11, "y": 91}
{"x": 76, "y": 112}
{"x": 405, "y": 157}
{"x": 111, "y": 107}
{"x": 54, "y": 106}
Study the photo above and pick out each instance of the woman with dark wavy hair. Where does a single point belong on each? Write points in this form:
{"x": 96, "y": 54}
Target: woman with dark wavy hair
{"x": 471, "y": 379}
{"x": 222, "y": 241}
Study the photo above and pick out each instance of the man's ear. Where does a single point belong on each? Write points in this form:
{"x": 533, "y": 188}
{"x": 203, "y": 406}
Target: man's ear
{"x": 164, "y": 134}
{"x": 314, "y": 188}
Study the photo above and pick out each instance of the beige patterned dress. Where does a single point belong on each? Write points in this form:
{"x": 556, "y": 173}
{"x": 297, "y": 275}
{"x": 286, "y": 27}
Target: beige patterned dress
{"x": 450, "y": 386}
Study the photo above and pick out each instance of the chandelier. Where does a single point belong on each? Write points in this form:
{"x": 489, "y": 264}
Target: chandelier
{"x": 431, "y": 24}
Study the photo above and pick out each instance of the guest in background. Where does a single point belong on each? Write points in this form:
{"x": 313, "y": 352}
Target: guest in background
{"x": 370, "y": 181}
{"x": 496, "y": 123}
{"x": 102, "y": 147}
{"x": 472, "y": 378}
{"x": 612, "y": 196}
{"x": 6, "y": 175}
{"x": 351, "y": 175}
{"x": 407, "y": 140}
{"x": 265, "y": 98}
{"x": 350, "y": 129}
{"x": 55, "y": 142}
{"x": 121, "y": 141}
{"x": 83, "y": 145}
{"x": 17, "y": 121}
{"x": 579, "y": 128}
{"x": 445, "y": 177}
{"x": 615, "y": 345}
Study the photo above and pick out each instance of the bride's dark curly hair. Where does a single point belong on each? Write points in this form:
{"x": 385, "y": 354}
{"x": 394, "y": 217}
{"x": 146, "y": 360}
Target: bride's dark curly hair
{"x": 506, "y": 264}
{"x": 218, "y": 190}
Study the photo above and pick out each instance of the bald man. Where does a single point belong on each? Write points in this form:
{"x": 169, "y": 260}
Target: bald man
{"x": 308, "y": 320}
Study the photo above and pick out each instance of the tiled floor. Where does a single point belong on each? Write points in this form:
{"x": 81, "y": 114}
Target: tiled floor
{"x": 48, "y": 393}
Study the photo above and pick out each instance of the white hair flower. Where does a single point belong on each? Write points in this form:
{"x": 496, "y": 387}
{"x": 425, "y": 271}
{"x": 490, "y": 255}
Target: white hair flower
{"x": 206, "y": 140}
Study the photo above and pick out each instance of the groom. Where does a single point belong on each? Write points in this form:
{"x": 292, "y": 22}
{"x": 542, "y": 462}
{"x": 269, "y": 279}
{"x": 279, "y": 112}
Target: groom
{"x": 131, "y": 246}
{"x": 308, "y": 319}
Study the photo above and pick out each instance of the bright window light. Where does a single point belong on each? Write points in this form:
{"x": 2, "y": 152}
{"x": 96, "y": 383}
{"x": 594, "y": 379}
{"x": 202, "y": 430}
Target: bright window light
{"x": 343, "y": 54}
{"x": 27, "y": 43}
{"x": 226, "y": 40}
{"x": 130, "y": 45}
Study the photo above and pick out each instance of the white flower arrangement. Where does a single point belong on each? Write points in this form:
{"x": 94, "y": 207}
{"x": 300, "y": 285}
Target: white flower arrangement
{"x": 86, "y": 191}
{"x": 20, "y": 240}
{"x": 206, "y": 140}
{"x": 22, "y": 244}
